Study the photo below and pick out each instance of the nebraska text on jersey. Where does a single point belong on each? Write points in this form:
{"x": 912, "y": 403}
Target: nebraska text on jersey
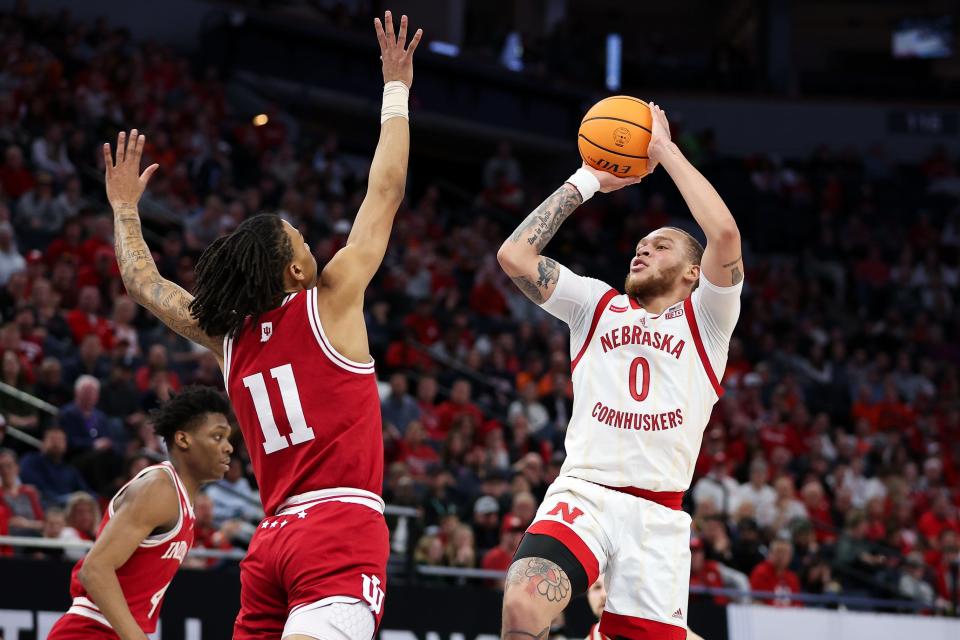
{"x": 644, "y": 385}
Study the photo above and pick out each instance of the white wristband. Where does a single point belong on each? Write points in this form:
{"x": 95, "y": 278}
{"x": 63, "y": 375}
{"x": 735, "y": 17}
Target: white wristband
{"x": 585, "y": 182}
{"x": 395, "y": 98}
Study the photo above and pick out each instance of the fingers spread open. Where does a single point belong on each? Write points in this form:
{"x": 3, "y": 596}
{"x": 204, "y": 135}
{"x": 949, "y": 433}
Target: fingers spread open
{"x": 402, "y": 35}
{"x": 388, "y": 29}
{"x": 121, "y": 147}
{"x": 414, "y": 42}
{"x": 107, "y": 158}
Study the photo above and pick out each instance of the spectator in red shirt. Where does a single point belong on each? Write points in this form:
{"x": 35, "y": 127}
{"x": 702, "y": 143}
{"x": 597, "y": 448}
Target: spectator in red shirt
{"x": 703, "y": 572}
{"x": 773, "y": 575}
{"x": 501, "y": 556}
{"x": 15, "y": 178}
{"x": 69, "y": 243}
{"x": 415, "y": 452}
{"x": 156, "y": 365}
{"x": 4, "y": 528}
{"x": 101, "y": 237}
{"x": 85, "y": 319}
{"x": 459, "y": 404}
{"x": 427, "y": 403}
{"x": 206, "y": 534}
{"x": 940, "y": 516}
{"x": 818, "y": 511}
{"x": 423, "y": 323}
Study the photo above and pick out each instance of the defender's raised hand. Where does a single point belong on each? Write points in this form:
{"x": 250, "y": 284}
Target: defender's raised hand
{"x": 397, "y": 56}
{"x": 125, "y": 183}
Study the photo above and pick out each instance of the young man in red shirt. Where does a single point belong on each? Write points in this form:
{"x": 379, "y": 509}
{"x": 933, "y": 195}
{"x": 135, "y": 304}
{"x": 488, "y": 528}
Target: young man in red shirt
{"x": 773, "y": 575}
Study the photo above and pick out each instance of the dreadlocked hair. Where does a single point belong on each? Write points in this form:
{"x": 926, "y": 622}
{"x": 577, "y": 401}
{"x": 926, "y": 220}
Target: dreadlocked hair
{"x": 185, "y": 410}
{"x": 241, "y": 275}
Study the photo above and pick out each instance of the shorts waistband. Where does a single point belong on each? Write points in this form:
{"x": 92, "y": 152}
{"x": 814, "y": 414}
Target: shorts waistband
{"x": 669, "y": 499}
{"x": 339, "y": 494}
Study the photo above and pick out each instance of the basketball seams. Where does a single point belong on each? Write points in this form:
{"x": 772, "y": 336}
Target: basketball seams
{"x": 586, "y": 120}
{"x": 616, "y": 153}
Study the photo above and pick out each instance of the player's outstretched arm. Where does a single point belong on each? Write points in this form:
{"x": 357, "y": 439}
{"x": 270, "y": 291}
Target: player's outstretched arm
{"x": 148, "y": 504}
{"x": 166, "y": 300}
{"x": 722, "y": 261}
{"x": 535, "y": 274}
{"x": 351, "y": 270}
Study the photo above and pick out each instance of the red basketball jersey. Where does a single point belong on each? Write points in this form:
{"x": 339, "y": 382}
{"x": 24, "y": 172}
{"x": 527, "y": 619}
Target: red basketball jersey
{"x": 310, "y": 416}
{"x": 145, "y": 576}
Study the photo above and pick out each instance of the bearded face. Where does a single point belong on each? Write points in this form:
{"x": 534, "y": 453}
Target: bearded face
{"x": 646, "y": 285}
{"x": 660, "y": 261}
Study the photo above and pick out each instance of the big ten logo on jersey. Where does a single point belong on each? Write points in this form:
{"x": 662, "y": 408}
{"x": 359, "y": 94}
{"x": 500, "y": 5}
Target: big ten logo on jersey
{"x": 372, "y": 592}
{"x": 266, "y": 331}
{"x": 176, "y": 551}
{"x": 566, "y": 514}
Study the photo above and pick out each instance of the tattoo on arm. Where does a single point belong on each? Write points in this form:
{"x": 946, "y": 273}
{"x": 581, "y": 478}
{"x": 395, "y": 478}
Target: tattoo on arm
{"x": 541, "y": 576}
{"x": 165, "y": 299}
{"x": 548, "y": 272}
{"x": 541, "y": 225}
{"x": 730, "y": 264}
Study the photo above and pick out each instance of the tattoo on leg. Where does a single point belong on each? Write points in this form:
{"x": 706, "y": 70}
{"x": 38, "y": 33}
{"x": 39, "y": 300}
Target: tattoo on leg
{"x": 526, "y": 634}
{"x": 736, "y": 275}
{"x": 543, "y": 577}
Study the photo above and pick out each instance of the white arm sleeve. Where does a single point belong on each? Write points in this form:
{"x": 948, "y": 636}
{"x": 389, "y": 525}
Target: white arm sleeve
{"x": 717, "y": 310}
{"x": 574, "y": 301}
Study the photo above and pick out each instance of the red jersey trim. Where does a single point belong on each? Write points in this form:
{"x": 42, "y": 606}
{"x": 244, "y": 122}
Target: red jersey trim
{"x": 569, "y": 538}
{"x": 183, "y": 504}
{"x": 614, "y": 625}
{"x": 698, "y": 341}
{"x": 598, "y": 312}
{"x": 633, "y": 303}
{"x": 227, "y": 359}
{"x": 669, "y": 499}
{"x": 332, "y": 354}
{"x": 86, "y": 608}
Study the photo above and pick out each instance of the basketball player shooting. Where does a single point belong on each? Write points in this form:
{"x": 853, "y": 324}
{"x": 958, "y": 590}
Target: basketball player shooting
{"x": 292, "y": 344}
{"x": 118, "y": 588}
{"x": 646, "y": 370}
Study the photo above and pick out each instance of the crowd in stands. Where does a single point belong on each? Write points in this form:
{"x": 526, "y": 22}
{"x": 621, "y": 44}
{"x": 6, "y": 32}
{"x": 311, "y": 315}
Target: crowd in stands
{"x": 830, "y": 464}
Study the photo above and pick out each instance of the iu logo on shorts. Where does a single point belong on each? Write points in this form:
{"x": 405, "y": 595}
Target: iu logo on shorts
{"x": 563, "y": 509}
{"x": 372, "y": 592}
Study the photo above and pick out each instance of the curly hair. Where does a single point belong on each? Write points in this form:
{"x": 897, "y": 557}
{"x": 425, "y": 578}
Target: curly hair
{"x": 185, "y": 411}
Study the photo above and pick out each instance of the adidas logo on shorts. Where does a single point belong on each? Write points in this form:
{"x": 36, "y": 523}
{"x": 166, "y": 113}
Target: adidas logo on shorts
{"x": 677, "y": 614}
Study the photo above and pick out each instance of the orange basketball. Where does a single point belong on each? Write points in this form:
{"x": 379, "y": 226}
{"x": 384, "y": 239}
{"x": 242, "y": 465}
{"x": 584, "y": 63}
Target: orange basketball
{"x": 614, "y": 135}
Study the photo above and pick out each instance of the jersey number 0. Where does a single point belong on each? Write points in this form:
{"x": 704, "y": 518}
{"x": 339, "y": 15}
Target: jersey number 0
{"x": 299, "y": 431}
{"x": 642, "y": 367}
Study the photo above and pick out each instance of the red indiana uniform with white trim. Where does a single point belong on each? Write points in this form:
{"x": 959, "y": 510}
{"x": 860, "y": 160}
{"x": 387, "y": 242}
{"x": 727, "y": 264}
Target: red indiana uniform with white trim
{"x": 311, "y": 421}
{"x": 144, "y": 577}
{"x": 644, "y": 386}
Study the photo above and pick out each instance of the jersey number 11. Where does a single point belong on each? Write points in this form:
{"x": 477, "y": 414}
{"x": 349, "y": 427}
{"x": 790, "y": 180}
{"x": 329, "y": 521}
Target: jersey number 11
{"x": 299, "y": 431}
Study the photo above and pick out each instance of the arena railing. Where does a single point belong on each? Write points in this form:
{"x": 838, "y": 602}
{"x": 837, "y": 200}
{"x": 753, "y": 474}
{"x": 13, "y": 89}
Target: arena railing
{"x": 462, "y": 575}
{"x": 29, "y": 400}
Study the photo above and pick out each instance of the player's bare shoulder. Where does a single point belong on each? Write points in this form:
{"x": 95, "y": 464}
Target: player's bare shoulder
{"x": 151, "y": 497}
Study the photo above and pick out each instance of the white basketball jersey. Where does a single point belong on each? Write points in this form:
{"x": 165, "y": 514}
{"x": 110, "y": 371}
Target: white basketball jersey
{"x": 644, "y": 385}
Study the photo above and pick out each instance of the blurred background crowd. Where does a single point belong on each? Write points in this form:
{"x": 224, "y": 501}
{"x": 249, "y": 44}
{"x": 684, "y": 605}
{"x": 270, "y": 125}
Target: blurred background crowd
{"x": 831, "y": 464}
